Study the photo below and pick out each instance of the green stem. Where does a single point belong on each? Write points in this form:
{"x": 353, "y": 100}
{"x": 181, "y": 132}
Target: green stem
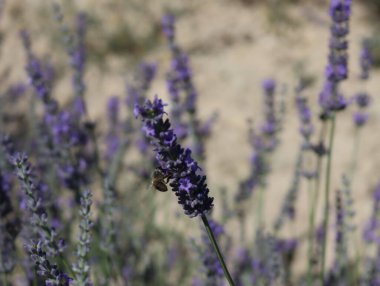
{"x": 4, "y": 279}
{"x": 315, "y": 198}
{"x": 311, "y": 234}
{"x": 217, "y": 250}
{"x": 327, "y": 195}
{"x": 355, "y": 151}
{"x": 260, "y": 208}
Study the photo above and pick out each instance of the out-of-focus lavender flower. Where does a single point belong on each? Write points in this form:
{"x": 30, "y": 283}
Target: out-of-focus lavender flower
{"x": 270, "y": 126}
{"x": 304, "y": 114}
{"x": 258, "y": 167}
{"x": 267, "y": 265}
{"x": 365, "y": 60}
{"x": 362, "y": 99}
{"x": 39, "y": 218}
{"x": 16, "y": 91}
{"x": 340, "y": 239}
{"x": 108, "y": 228}
{"x": 136, "y": 92}
{"x": 288, "y": 209}
{"x": 213, "y": 268}
{"x": 78, "y": 57}
{"x": 50, "y": 272}
{"x": 112, "y": 138}
{"x": 168, "y": 27}
{"x": 186, "y": 178}
{"x": 180, "y": 81}
{"x": 337, "y": 69}
{"x": 360, "y": 118}
{"x": 242, "y": 265}
{"x": 74, "y": 42}
{"x": 10, "y": 226}
{"x": 82, "y": 268}
{"x": 37, "y": 77}
{"x": 370, "y": 233}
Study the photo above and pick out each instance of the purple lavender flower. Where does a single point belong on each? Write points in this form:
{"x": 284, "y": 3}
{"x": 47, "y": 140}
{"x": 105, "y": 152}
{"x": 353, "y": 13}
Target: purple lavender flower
{"x": 112, "y": 138}
{"x": 179, "y": 80}
{"x": 365, "y": 60}
{"x": 362, "y": 99}
{"x": 267, "y": 265}
{"x": 242, "y": 265}
{"x": 9, "y": 226}
{"x": 304, "y": 114}
{"x": 370, "y": 231}
{"x": 186, "y": 177}
{"x": 38, "y": 77}
{"x": 258, "y": 167}
{"x": 336, "y": 70}
{"x": 288, "y": 209}
{"x": 50, "y": 272}
{"x": 360, "y": 118}
{"x": 39, "y": 218}
{"x": 82, "y": 268}
{"x": 136, "y": 92}
{"x": 168, "y": 27}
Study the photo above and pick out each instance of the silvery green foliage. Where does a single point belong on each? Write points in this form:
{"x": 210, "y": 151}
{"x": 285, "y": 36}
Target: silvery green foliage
{"x": 82, "y": 267}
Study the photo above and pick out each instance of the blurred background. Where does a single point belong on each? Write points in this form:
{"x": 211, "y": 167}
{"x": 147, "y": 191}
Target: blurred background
{"x": 233, "y": 45}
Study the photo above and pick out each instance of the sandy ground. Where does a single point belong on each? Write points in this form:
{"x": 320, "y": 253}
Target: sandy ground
{"x": 232, "y": 49}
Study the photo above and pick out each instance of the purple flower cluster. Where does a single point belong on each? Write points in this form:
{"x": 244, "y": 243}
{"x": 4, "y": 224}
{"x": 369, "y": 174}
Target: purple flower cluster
{"x": 82, "y": 267}
{"x": 370, "y": 233}
{"x": 270, "y": 126}
{"x": 305, "y": 115}
{"x": 337, "y": 69}
{"x": 184, "y": 110}
{"x": 136, "y": 92}
{"x": 112, "y": 137}
{"x": 186, "y": 178}
{"x": 78, "y": 60}
{"x": 267, "y": 262}
{"x": 259, "y": 167}
{"x": 180, "y": 76}
{"x": 9, "y": 226}
{"x": 39, "y": 217}
{"x": 365, "y": 60}
{"x": 363, "y": 99}
{"x": 52, "y": 275}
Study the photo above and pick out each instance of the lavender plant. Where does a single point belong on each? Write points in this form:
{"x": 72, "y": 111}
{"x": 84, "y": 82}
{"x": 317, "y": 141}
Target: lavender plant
{"x": 55, "y": 231}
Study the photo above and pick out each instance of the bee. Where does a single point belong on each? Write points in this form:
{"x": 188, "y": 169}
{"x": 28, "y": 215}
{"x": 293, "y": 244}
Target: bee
{"x": 158, "y": 180}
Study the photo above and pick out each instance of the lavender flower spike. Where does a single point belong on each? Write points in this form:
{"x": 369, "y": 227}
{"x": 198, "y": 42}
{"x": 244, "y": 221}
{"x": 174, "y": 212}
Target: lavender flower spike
{"x": 46, "y": 269}
{"x": 186, "y": 177}
{"x": 82, "y": 267}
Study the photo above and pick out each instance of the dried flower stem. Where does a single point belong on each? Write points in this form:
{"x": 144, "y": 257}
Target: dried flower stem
{"x": 217, "y": 250}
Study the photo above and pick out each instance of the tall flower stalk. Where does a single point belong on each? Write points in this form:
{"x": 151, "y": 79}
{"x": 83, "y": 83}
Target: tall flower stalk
{"x": 331, "y": 99}
{"x": 176, "y": 163}
{"x": 82, "y": 267}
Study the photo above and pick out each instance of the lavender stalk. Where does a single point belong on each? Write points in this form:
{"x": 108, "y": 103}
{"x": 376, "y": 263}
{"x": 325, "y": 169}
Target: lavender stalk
{"x": 82, "y": 267}
{"x": 176, "y": 163}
